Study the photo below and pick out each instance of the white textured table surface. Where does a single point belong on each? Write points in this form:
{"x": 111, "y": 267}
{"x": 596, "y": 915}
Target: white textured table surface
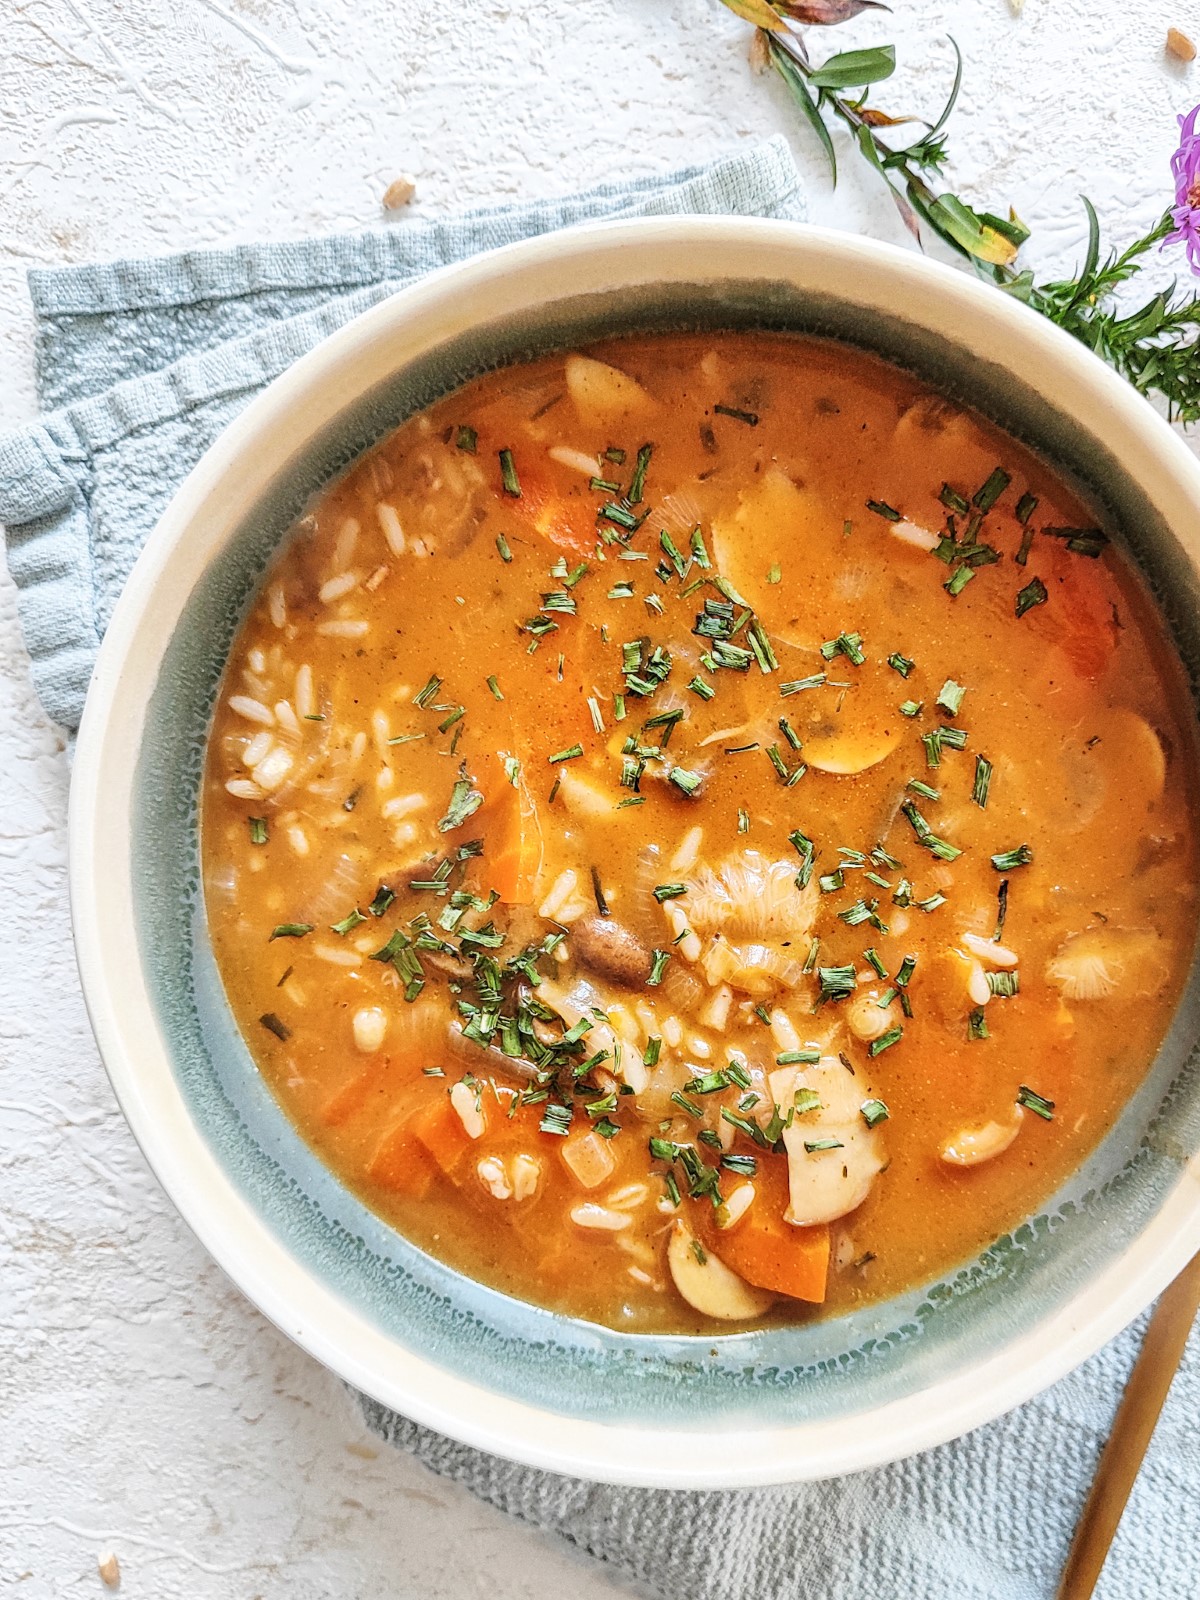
{"x": 144, "y": 1406}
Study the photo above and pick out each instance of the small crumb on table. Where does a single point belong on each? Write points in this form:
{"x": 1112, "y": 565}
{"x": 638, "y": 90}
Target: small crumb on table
{"x": 399, "y": 192}
{"x": 1180, "y": 46}
{"x": 109, "y": 1568}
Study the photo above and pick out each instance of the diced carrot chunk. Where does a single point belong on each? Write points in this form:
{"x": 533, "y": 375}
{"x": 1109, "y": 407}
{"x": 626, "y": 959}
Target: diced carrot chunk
{"x": 512, "y": 844}
{"x": 769, "y": 1252}
{"x": 564, "y": 522}
{"x": 440, "y": 1131}
{"x": 351, "y": 1097}
{"x": 401, "y": 1164}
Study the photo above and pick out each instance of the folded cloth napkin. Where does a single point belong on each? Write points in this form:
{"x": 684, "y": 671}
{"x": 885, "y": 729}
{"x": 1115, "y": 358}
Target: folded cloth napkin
{"x": 142, "y": 363}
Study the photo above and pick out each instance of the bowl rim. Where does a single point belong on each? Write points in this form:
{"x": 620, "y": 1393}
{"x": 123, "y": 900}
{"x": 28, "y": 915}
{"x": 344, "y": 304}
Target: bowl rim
{"x": 138, "y": 1065}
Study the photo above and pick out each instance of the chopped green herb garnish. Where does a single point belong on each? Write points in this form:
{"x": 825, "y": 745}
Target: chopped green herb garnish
{"x": 874, "y": 959}
{"x": 911, "y": 708}
{"x": 1009, "y": 860}
{"x": 882, "y": 509}
{"x": 885, "y": 1041}
{"x": 1001, "y": 910}
{"x": 466, "y": 440}
{"x": 958, "y": 580}
{"x": 953, "y": 501}
{"x": 508, "y": 474}
{"x": 428, "y": 693}
{"x": 405, "y": 738}
{"x": 743, "y": 820}
{"x": 797, "y": 684}
{"x": 638, "y": 483}
{"x": 494, "y": 687}
{"x": 347, "y": 923}
{"x": 813, "y": 1147}
{"x": 651, "y": 1053}
{"x": 837, "y": 982}
{"x": 846, "y": 644}
{"x": 465, "y": 801}
{"x": 1026, "y": 506}
{"x": 669, "y": 891}
{"x": 923, "y": 789}
{"x": 829, "y": 882}
{"x": 273, "y": 1025}
{"x": 1084, "y": 541}
{"x": 571, "y": 754}
{"x": 900, "y": 664}
{"x": 698, "y": 686}
{"x": 986, "y": 496}
{"x": 291, "y": 930}
{"x": 1037, "y": 1103}
{"x": 383, "y": 899}
{"x": 774, "y": 573}
{"x": 258, "y": 829}
{"x": 873, "y": 1112}
{"x": 750, "y": 418}
{"x": 687, "y": 781}
{"x": 977, "y": 1027}
{"x": 658, "y": 966}
{"x": 798, "y": 1058}
{"x": 950, "y": 696}
{"x": 556, "y": 1119}
{"x": 1033, "y": 594}
{"x": 1004, "y": 985}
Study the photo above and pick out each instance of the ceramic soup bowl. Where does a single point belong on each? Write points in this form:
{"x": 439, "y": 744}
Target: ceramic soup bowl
{"x": 774, "y": 1405}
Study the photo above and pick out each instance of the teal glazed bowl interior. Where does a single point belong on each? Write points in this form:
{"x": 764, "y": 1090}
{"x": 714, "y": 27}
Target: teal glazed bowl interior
{"x": 788, "y": 1402}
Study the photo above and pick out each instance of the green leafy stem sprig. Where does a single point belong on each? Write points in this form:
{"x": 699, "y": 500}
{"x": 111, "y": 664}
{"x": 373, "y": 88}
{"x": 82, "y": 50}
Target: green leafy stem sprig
{"x": 1154, "y": 347}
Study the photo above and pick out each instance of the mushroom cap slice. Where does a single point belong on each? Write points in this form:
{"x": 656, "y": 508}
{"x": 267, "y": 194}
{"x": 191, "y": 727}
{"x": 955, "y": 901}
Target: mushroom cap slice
{"x": 707, "y": 1284}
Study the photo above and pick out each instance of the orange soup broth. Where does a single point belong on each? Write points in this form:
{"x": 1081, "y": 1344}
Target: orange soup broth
{"x": 419, "y": 565}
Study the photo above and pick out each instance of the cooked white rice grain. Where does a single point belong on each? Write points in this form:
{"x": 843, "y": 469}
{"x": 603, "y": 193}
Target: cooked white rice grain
{"x": 348, "y": 629}
{"x": 335, "y": 588}
{"x": 344, "y": 544}
{"x": 286, "y": 718}
{"x": 257, "y": 749}
{"x": 577, "y": 460}
{"x": 306, "y": 705}
{"x": 272, "y": 770}
{"x": 252, "y": 710}
{"x": 389, "y": 523}
{"x": 336, "y": 954}
{"x": 243, "y": 789}
{"x": 403, "y": 805}
{"x": 277, "y": 605}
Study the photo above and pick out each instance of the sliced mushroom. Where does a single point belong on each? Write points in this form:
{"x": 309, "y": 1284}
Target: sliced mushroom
{"x": 707, "y": 1284}
{"x": 606, "y": 947}
{"x": 971, "y": 1146}
{"x": 489, "y": 1056}
{"x": 605, "y": 394}
{"x": 833, "y": 1157}
{"x": 850, "y": 751}
{"x": 1090, "y": 966}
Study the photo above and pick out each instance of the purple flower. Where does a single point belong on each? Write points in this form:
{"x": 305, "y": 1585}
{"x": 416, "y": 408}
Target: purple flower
{"x": 1185, "y": 164}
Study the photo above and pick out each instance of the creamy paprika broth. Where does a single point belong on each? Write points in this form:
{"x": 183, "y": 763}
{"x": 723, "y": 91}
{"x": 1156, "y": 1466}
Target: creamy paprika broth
{"x": 696, "y": 830}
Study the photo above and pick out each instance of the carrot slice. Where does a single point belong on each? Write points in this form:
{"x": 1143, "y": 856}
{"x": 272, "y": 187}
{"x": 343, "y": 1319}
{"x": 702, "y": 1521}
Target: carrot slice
{"x": 439, "y": 1129}
{"x": 561, "y": 520}
{"x": 769, "y": 1252}
{"x": 351, "y": 1097}
{"x": 401, "y": 1164}
{"x": 512, "y": 842}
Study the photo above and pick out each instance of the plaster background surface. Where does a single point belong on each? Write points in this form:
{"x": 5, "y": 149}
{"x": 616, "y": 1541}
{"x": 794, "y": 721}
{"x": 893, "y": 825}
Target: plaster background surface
{"x": 144, "y": 1405}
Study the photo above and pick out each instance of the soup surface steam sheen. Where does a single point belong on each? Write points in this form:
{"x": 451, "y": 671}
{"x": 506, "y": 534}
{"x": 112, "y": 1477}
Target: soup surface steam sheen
{"x": 696, "y": 831}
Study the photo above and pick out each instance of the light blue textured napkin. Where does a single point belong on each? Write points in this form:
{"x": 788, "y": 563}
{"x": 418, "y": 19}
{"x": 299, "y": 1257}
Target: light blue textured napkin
{"x": 141, "y": 364}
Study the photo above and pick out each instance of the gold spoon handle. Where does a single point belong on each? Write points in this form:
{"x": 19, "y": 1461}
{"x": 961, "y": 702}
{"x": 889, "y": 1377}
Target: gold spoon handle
{"x": 1121, "y": 1460}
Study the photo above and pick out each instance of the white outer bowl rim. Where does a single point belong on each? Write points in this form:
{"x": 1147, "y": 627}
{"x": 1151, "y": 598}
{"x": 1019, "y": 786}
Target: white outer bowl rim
{"x": 138, "y": 1063}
